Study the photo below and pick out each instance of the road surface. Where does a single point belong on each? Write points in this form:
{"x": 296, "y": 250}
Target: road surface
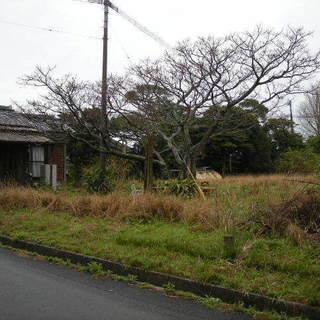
{"x": 32, "y": 289}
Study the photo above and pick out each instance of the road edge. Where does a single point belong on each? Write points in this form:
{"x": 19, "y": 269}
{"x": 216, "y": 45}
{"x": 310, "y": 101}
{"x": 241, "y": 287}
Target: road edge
{"x": 258, "y": 301}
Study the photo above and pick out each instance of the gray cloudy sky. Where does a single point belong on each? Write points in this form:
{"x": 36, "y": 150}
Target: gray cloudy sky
{"x": 23, "y": 48}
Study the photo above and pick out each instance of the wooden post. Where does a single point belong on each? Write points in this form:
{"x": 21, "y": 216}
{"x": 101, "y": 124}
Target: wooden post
{"x": 229, "y": 242}
{"x": 229, "y": 246}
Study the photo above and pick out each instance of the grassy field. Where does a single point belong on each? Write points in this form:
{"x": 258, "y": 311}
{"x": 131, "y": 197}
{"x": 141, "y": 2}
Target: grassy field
{"x": 268, "y": 216}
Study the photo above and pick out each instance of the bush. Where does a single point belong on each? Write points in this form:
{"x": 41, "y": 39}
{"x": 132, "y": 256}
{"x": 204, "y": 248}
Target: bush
{"x": 75, "y": 174}
{"x": 98, "y": 181}
{"x": 119, "y": 169}
{"x": 185, "y": 188}
{"x": 295, "y": 218}
{"x": 298, "y": 161}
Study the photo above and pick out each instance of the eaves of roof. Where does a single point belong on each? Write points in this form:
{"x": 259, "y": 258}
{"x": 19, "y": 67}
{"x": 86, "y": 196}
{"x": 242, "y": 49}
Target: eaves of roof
{"x": 14, "y": 137}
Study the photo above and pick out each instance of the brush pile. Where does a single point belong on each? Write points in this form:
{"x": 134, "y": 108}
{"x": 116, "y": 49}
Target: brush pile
{"x": 298, "y": 217}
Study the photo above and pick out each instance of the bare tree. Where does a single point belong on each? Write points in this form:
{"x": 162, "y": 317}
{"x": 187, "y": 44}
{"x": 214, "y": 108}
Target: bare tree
{"x": 309, "y": 113}
{"x": 210, "y": 76}
{"x": 71, "y": 106}
{"x": 207, "y": 78}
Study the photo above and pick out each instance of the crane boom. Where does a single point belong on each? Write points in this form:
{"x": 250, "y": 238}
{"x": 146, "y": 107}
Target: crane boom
{"x": 134, "y": 22}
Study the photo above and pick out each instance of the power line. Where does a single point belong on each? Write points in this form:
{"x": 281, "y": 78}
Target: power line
{"x": 49, "y": 30}
{"x": 131, "y": 20}
{"x": 122, "y": 46}
{"x": 138, "y": 25}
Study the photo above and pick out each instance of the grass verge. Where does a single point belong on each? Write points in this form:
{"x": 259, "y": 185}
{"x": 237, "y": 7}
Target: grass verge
{"x": 272, "y": 255}
{"x": 97, "y": 271}
{"x": 270, "y": 266}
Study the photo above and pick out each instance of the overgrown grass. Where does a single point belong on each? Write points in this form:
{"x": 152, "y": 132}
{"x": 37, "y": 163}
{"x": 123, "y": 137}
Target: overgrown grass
{"x": 231, "y": 201}
{"x": 177, "y": 236}
{"x": 96, "y": 270}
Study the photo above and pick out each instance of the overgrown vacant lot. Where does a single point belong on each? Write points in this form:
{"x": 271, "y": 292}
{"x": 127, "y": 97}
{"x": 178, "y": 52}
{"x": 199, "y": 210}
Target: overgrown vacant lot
{"x": 274, "y": 222}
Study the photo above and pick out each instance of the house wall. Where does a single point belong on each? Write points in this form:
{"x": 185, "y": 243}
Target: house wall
{"x": 57, "y": 155}
{"x": 14, "y": 162}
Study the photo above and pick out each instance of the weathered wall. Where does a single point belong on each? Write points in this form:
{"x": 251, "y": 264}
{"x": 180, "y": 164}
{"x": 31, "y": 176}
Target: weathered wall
{"x": 57, "y": 155}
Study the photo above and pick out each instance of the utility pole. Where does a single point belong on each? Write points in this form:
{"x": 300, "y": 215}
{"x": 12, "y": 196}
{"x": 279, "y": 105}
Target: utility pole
{"x": 104, "y": 89}
{"x": 291, "y": 116}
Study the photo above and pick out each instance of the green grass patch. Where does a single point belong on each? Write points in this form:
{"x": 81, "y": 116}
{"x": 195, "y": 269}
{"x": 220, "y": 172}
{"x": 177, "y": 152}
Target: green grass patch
{"x": 272, "y": 266}
{"x": 169, "y": 289}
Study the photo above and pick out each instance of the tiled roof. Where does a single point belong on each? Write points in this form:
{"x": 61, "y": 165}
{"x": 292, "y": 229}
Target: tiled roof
{"x": 12, "y": 119}
{"x": 28, "y": 128}
{"x": 16, "y": 137}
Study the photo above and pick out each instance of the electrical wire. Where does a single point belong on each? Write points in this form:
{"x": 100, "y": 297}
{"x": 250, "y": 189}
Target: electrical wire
{"x": 122, "y": 46}
{"x": 131, "y": 20}
{"x": 139, "y": 26}
{"x": 49, "y": 30}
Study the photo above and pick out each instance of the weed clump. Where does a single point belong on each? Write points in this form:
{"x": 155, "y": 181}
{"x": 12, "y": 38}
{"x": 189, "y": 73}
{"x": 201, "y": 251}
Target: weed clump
{"x": 296, "y": 218}
{"x": 97, "y": 181}
{"x": 183, "y": 188}
{"x": 19, "y": 198}
{"x": 153, "y": 206}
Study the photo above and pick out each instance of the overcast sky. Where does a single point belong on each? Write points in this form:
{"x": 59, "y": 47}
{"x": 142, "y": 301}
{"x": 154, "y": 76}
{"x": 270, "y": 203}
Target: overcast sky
{"x": 23, "y": 48}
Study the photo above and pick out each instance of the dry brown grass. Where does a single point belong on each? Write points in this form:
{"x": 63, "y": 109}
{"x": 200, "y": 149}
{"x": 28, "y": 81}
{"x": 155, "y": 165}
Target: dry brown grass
{"x": 207, "y": 216}
{"x": 119, "y": 206}
{"x": 296, "y": 217}
{"x": 235, "y": 200}
{"x": 270, "y": 178}
{"x": 208, "y": 177}
{"x": 295, "y": 233}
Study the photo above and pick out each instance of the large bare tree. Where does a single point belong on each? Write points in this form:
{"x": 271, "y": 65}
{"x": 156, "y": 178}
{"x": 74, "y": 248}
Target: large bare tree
{"x": 71, "y": 106}
{"x": 166, "y": 98}
{"x": 210, "y": 76}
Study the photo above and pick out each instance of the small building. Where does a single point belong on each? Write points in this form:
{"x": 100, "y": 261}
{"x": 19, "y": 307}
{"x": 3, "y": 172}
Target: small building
{"x": 26, "y": 143}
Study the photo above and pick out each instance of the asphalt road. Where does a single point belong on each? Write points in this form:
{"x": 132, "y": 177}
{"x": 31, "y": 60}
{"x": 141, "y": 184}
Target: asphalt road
{"x": 32, "y": 289}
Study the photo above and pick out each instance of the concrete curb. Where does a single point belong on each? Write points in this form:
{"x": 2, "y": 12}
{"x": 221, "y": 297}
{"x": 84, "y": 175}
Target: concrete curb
{"x": 159, "y": 279}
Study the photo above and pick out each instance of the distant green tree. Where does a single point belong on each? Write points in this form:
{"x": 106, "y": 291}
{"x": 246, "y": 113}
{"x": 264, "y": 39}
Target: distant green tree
{"x": 256, "y": 153}
{"x": 282, "y": 137}
{"x": 298, "y": 161}
{"x": 313, "y": 143}
{"x": 244, "y": 150}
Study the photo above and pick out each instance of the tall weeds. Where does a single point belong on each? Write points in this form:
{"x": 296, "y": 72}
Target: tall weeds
{"x": 118, "y": 205}
{"x": 235, "y": 200}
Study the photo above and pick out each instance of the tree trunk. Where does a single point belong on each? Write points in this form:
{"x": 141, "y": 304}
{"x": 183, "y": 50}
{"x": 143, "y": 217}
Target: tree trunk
{"x": 148, "y": 164}
{"x": 183, "y": 174}
{"x": 193, "y": 166}
{"x": 189, "y": 168}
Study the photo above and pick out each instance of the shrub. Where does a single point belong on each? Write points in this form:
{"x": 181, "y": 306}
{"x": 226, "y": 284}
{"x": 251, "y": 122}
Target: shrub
{"x": 75, "y": 174}
{"x": 122, "y": 169}
{"x": 185, "y": 188}
{"x": 298, "y": 161}
{"x": 294, "y": 218}
{"x": 98, "y": 181}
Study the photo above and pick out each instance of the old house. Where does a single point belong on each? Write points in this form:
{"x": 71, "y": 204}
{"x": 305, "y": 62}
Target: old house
{"x": 25, "y": 144}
